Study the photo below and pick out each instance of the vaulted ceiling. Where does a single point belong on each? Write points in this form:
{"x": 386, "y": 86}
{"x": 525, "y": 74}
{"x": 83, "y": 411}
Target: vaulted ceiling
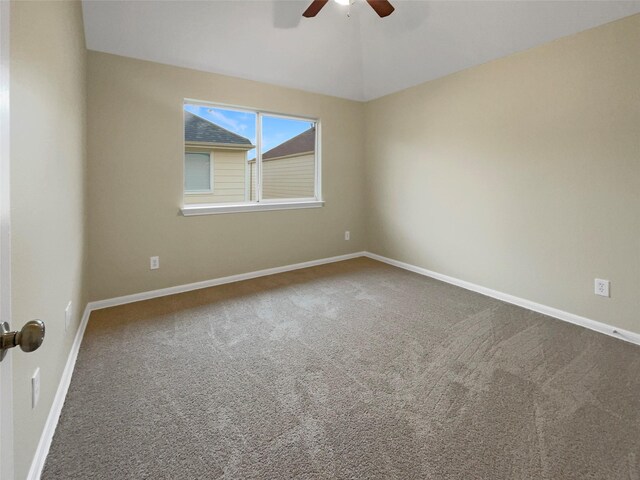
{"x": 359, "y": 56}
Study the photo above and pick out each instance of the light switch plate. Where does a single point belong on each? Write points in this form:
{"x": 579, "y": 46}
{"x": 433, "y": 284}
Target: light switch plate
{"x": 35, "y": 388}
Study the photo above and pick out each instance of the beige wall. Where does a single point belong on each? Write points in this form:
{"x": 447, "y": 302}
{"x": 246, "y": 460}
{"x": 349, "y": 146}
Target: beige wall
{"x": 135, "y": 160}
{"x": 229, "y": 177}
{"x": 287, "y": 177}
{"x": 521, "y": 175}
{"x": 47, "y": 199}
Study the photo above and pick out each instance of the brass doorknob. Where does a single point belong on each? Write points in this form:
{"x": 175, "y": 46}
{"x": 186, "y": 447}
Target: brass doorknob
{"x": 29, "y": 338}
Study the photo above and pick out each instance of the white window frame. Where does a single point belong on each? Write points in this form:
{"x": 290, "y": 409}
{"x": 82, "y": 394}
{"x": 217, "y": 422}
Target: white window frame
{"x": 259, "y": 204}
{"x": 198, "y": 192}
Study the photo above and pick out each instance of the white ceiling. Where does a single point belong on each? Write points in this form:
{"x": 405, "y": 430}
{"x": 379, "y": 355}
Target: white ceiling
{"x": 358, "y": 57}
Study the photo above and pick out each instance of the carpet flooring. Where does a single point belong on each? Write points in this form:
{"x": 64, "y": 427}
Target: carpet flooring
{"x": 352, "y": 370}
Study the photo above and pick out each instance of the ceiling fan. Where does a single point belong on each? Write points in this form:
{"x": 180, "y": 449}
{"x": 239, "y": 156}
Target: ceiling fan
{"x": 382, "y": 7}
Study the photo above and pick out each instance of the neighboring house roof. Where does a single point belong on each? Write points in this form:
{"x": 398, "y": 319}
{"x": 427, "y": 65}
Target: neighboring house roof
{"x": 197, "y": 129}
{"x": 302, "y": 143}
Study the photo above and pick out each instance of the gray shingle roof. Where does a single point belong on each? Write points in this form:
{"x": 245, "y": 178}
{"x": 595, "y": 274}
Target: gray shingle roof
{"x": 197, "y": 129}
{"x": 302, "y": 143}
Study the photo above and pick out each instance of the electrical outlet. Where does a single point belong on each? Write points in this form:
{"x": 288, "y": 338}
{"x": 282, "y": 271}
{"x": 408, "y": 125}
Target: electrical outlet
{"x": 35, "y": 388}
{"x": 67, "y": 316}
{"x": 347, "y": 235}
{"x": 602, "y": 287}
{"x": 154, "y": 263}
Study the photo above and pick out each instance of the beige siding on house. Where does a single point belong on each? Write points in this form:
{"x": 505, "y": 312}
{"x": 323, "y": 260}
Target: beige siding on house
{"x": 253, "y": 181}
{"x": 292, "y": 177}
{"x": 228, "y": 177}
{"x": 288, "y": 177}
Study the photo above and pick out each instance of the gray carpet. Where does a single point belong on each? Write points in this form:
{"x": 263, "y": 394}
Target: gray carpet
{"x": 349, "y": 370}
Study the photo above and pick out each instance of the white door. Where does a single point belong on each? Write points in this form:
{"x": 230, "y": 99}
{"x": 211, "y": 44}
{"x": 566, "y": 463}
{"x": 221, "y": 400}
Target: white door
{"x": 6, "y": 395}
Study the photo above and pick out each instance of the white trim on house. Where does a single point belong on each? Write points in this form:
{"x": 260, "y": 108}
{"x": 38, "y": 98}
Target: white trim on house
{"x": 219, "y": 146}
{"x": 594, "y": 325}
{"x": 293, "y": 155}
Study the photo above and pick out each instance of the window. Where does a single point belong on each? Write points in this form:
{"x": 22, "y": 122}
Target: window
{"x": 198, "y": 173}
{"x": 238, "y": 159}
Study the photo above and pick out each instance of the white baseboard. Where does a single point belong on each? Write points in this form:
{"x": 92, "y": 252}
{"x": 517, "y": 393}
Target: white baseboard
{"x": 46, "y": 438}
{"x": 58, "y": 401}
{"x": 50, "y": 425}
{"x": 521, "y": 302}
{"x": 136, "y": 297}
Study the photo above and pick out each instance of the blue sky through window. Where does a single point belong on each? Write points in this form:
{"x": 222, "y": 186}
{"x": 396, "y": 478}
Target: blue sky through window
{"x": 274, "y": 130}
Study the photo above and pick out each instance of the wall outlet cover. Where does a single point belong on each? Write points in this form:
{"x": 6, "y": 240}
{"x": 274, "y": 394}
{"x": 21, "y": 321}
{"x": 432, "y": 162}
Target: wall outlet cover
{"x": 154, "y": 263}
{"x": 602, "y": 287}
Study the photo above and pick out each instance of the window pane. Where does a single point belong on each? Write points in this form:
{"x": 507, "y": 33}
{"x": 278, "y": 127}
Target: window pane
{"x": 197, "y": 172}
{"x": 288, "y": 158}
{"x": 230, "y": 137}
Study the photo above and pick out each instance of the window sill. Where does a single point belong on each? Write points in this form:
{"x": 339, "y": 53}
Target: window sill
{"x": 201, "y": 209}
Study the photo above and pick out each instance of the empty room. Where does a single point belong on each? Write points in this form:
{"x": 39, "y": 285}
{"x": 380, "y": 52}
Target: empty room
{"x": 320, "y": 239}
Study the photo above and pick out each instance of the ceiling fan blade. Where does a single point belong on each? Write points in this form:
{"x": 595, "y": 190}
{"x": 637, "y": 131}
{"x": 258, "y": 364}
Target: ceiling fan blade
{"x": 382, "y": 7}
{"x": 314, "y": 8}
